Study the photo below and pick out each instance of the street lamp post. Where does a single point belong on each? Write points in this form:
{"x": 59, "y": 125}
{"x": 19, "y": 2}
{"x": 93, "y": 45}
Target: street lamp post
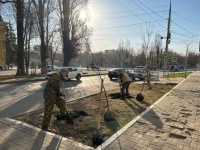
{"x": 186, "y": 53}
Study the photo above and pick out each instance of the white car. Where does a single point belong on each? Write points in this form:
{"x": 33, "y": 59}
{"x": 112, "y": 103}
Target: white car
{"x": 73, "y": 72}
{"x": 50, "y": 68}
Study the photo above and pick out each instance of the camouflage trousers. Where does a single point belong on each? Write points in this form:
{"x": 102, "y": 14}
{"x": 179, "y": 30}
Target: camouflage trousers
{"x": 125, "y": 86}
{"x": 50, "y": 100}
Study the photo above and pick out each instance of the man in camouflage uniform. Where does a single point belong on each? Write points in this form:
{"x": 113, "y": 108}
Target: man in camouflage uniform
{"x": 124, "y": 81}
{"x": 53, "y": 95}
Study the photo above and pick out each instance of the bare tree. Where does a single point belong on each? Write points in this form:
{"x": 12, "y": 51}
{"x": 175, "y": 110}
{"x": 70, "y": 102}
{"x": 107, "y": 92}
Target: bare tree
{"x": 28, "y": 32}
{"x": 158, "y": 45}
{"x": 74, "y": 30}
{"x": 146, "y": 37}
{"x": 43, "y": 9}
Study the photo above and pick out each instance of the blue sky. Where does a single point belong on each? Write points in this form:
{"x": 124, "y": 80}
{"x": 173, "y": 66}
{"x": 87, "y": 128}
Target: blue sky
{"x": 116, "y": 20}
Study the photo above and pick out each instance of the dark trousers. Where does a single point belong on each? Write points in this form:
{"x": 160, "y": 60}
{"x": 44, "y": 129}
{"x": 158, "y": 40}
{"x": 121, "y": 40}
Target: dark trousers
{"x": 125, "y": 86}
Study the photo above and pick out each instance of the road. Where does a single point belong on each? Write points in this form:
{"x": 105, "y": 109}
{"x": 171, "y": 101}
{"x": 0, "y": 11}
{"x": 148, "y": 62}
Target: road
{"x": 18, "y": 98}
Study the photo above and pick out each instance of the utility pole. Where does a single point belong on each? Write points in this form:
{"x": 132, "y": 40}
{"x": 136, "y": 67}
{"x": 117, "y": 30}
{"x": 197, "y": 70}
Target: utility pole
{"x": 167, "y": 41}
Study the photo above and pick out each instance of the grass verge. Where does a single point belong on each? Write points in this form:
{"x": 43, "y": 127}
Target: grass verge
{"x": 177, "y": 75}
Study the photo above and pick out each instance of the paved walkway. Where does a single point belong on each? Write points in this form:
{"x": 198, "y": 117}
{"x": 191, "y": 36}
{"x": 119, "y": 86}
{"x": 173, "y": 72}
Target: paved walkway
{"x": 173, "y": 122}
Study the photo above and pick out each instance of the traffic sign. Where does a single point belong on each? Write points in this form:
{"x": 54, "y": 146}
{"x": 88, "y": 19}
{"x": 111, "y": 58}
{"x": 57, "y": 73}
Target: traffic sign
{"x": 174, "y": 59}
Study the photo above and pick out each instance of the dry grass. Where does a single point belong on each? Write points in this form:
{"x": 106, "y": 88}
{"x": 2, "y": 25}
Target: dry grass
{"x": 85, "y": 126}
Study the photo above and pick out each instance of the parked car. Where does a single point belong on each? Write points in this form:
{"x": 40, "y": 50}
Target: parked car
{"x": 73, "y": 72}
{"x": 166, "y": 68}
{"x": 1, "y": 68}
{"x": 174, "y": 68}
{"x": 50, "y": 68}
{"x": 139, "y": 72}
{"x": 114, "y": 73}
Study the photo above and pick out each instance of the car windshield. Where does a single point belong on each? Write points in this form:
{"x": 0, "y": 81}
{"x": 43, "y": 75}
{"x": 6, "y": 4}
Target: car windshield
{"x": 140, "y": 67}
{"x": 48, "y": 66}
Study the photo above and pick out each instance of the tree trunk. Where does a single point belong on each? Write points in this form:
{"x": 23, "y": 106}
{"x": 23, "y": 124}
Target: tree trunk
{"x": 66, "y": 41}
{"x": 43, "y": 49}
{"x": 26, "y": 54}
{"x": 20, "y": 39}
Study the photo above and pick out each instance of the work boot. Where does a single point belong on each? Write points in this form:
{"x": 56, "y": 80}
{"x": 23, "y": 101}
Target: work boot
{"x": 61, "y": 117}
{"x": 128, "y": 96}
{"x": 46, "y": 128}
{"x": 122, "y": 97}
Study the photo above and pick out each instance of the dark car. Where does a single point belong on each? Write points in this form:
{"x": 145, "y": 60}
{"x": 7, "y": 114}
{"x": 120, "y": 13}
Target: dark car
{"x": 1, "y": 68}
{"x": 114, "y": 73}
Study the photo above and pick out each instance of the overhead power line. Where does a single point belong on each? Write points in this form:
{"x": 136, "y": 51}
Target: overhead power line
{"x": 151, "y": 10}
{"x": 113, "y": 12}
{"x": 182, "y": 34}
{"x": 183, "y": 28}
{"x": 125, "y": 34}
{"x": 129, "y": 25}
{"x": 117, "y": 17}
{"x": 182, "y": 39}
{"x": 147, "y": 13}
{"x": 129, "y": 10}
{"x": 186, "y": 18}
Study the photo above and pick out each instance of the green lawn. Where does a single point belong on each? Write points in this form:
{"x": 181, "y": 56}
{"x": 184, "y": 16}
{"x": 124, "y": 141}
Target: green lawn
{"x": 176, "y": 75}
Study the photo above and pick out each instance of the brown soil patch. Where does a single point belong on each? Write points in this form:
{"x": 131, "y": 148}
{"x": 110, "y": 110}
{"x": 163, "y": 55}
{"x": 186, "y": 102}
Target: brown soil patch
{"x": 85, "y": 125}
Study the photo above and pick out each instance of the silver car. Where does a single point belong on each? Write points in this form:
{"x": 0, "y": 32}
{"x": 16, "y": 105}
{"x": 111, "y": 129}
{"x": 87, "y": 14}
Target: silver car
{"x": 139, "y": 72}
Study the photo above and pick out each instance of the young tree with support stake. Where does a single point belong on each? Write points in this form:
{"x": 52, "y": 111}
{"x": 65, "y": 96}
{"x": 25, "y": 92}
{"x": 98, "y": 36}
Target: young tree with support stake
{"x": 146, "y": 37}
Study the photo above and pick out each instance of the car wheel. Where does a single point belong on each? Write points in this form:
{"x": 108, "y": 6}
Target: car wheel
{"x": 78, "y": 77}
{"x": 110, "y": 78}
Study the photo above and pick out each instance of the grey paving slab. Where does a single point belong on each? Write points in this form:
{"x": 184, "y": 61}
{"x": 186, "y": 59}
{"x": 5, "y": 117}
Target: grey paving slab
{"x": 18, "y": 135}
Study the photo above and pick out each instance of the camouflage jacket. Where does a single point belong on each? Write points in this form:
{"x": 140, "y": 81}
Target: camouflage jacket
{"x": 54, "y": 85}
{"x": 123, "y": 77}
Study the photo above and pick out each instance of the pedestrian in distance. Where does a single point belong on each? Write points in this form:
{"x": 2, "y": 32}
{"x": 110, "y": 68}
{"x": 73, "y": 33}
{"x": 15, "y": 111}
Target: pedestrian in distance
{"x": 53, "y": 95}
{"x": 124, "y": 82}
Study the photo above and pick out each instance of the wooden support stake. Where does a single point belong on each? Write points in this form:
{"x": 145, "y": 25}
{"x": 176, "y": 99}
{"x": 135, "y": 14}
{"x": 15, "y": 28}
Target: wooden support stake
{"x": 100, "y": 103}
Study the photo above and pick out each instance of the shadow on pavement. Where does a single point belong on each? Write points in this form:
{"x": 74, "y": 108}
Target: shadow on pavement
{"x": 32, "y": 101}
{"x": 150, "y": 116}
